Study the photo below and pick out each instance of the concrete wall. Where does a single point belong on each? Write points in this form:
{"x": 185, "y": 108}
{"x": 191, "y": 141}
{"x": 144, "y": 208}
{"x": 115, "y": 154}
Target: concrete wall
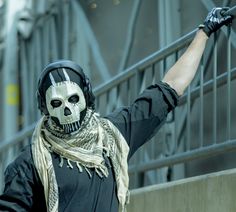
{"x": 207, "y": 193}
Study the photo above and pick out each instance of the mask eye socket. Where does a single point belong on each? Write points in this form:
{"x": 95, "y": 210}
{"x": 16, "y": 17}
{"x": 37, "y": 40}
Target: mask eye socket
{"x": 56, "y": 103}
{"x": 74, "y": 99}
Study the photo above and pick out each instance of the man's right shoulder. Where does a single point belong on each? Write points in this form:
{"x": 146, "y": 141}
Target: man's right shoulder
{"x": 23, "y": 161}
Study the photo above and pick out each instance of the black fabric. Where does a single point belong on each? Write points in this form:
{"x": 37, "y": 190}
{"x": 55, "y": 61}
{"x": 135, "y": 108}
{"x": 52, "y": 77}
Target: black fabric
{"x": 59, "y": 76}
{"x": 141, "y": 120}
{"x": 77, "y": 191}
{"x": 23, "y": 189}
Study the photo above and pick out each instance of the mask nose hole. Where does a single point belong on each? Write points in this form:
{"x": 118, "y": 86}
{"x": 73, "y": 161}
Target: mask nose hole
{"x": 67, "y": 111}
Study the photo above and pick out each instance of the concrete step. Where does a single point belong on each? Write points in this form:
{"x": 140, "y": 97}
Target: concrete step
{"x": 214, "y": 192}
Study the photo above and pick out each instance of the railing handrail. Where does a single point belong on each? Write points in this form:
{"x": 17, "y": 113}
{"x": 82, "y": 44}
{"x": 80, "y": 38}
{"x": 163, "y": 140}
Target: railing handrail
{"x": 155, "y": 57}
{"x": 178, "y": 44}
{"x": 200, "y": 153}
{"x": 231, "y": 11}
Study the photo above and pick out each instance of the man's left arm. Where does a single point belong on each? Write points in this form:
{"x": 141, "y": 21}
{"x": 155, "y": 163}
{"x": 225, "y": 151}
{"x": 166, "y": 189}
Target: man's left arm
{"x": 183, "y": 71}
{"x": 141, "y": 120}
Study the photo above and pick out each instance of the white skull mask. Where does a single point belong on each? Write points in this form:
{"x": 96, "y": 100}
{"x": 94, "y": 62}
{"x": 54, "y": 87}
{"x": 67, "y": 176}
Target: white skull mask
{"x": 65, "y": 101}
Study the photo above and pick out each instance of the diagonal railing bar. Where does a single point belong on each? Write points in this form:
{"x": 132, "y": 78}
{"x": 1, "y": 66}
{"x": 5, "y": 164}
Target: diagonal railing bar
{"x": 206, "y": 152}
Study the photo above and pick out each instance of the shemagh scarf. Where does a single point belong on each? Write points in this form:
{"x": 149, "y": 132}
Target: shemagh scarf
{"x": 95, "y": 137}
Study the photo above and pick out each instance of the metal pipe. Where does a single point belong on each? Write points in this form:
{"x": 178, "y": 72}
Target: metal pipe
{"x": 53, "y": 39}
{"x": 228, "y": 86}
{"x": 188, "y": 117}
{"x": 66, "y": 30}
{"x": 10, "y": 74}
{"x": 231, "y": 11}
{"x": 98, "y": 59}
{"x": 39, "y": 64}
{"x": 130, "y": 35}
{"x": 215, "y": 90}
{"x": 206, "y": 152}
{"x": 201, "y": 102}
{"x": 24, "y": 84}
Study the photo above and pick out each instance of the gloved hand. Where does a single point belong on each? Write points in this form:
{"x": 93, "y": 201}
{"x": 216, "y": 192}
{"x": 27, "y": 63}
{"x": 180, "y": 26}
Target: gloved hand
{"x": 215, "y": 20}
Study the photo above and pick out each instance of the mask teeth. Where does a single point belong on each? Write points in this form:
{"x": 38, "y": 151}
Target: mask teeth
{"x": 68, "y": 128}
{"x": 74, "y": 127}
{"x": 65, "y": 127}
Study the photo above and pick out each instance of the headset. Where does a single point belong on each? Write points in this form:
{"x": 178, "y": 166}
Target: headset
{"x": 89, "y": 96}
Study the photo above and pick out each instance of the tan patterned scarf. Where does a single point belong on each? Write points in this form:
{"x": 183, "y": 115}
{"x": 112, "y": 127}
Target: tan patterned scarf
{"x": 86, "y": 148}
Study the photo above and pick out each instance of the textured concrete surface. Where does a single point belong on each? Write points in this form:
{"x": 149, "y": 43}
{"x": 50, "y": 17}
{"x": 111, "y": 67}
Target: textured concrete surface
{"x": 208, "y": 193}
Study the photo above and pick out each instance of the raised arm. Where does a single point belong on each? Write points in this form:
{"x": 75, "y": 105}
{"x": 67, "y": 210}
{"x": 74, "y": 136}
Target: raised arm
{"x": 182, "y": 72}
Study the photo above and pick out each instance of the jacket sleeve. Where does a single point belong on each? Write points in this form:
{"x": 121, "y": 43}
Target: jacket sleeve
{"x": 22, "y": 190}
{"x": 141, "y": 120}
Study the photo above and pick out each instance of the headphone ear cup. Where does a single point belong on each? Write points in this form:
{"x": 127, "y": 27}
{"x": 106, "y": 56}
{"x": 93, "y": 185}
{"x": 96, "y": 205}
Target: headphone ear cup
{"x": 89, "y": 94}
{"x": 39, "y": 101}
{"x": 41, "y": 104}
{"x": 44, "y": 108}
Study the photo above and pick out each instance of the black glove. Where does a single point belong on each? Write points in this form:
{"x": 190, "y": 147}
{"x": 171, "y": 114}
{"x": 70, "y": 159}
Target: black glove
{"x": 215, "y": 19}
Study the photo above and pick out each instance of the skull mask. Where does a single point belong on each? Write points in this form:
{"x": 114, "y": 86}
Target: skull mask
{"x": 65, "y": 101}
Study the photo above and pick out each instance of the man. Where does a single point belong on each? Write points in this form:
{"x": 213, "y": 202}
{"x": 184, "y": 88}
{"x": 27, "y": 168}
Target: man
{"x": 77, "y": 160}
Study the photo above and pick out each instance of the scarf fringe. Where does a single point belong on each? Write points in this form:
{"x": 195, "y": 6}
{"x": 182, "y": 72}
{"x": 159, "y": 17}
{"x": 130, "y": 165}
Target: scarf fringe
{"x": 87, "y": 170}
{"x": 61, "y": 161}
{"x": 69, "y": 165}
{"x": 79, "y": 167}
{"x": 100, "y": 170}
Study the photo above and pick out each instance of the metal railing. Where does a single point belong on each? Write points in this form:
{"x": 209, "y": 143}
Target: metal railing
{"x": 177, "y": 141}
{"x": 182, "y": 147}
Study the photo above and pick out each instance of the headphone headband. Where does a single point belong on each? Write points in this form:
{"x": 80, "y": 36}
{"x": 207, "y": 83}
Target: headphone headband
{"x": 62, "y": 64}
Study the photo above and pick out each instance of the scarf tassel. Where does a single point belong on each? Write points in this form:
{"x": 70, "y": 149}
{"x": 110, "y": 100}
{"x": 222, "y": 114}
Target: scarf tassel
{"x": 101, "y": 171}
{"x": 79, "y": 167}
{"x": 89, "y": 173}
{"x": 100, "y": 174}
{"x": 61, "y": 161}
{"x": 106, "y": 151}
{"x": 69, "y": 165}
